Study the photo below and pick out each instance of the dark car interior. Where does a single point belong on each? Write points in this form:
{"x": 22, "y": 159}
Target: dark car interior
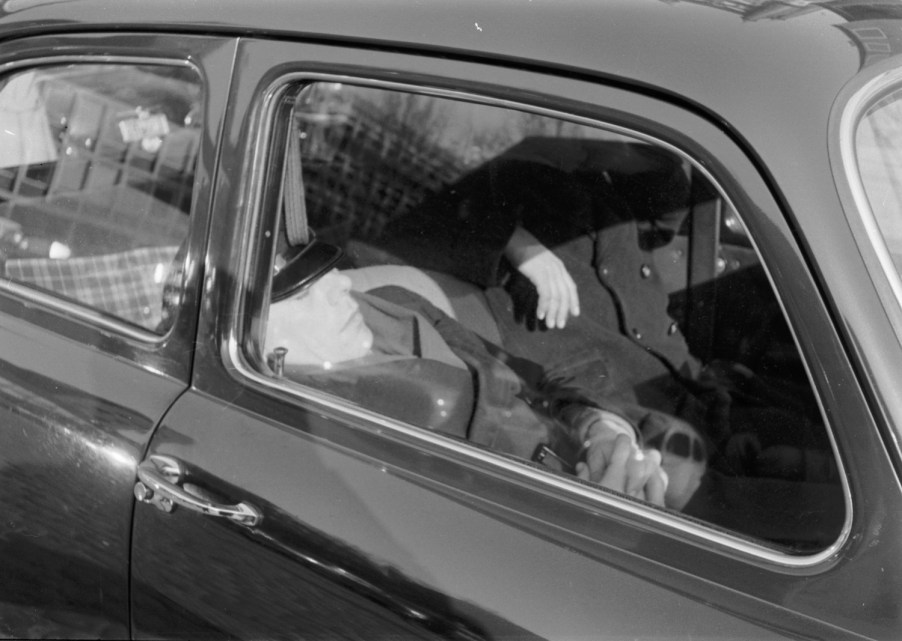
{"x": 365, "y": 175}
{"x": 97, "y": 218}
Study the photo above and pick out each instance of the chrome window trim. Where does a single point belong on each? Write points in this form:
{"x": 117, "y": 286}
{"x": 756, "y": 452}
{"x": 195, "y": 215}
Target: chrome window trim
{"x": 47, "y": 298}
{"x": 852, "y": 113}
{"x": 262, "y": 126}
{"x": 69, "y": 307}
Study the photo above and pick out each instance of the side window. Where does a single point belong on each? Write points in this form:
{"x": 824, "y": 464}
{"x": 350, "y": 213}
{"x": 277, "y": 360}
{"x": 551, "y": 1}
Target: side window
{"x": 878, "y": 140}
{"x": 573, "y": 296}
{"x": 97, "y": 167}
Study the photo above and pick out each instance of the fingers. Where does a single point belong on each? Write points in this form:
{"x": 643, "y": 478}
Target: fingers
{"x": 558, "y": 295}
{"x": 637, "y": 473}
{"x": 614, "y": 476}
{"x": 656, "y": 488}
{"x": 598, "y": 458}
{"x": 626, "y": 469}
{"x": 572, "y": 292}
{"x": 568, "y": 298}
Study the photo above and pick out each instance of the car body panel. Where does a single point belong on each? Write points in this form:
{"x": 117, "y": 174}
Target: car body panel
{"x": 812, "y": 47}
{"x": 81, "y": 397}
{"x": 530, "y": 32}
{"x": 67, "y": 463}
{"x": 298, "y": 444}
{"x": 338, "y": 522}
{"x": 367, "y": 527}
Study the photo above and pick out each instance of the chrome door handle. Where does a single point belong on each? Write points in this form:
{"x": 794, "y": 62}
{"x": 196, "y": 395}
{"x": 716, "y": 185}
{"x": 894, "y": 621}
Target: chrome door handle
{"x": 158, "y": 479}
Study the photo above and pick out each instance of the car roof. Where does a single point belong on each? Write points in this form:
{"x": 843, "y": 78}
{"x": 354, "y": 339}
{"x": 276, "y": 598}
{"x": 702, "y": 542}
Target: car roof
{"x": 747, "y": 63}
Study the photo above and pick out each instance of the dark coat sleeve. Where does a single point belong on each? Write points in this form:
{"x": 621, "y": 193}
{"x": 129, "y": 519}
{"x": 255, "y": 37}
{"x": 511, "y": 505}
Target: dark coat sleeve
{"x": 554, "y": 187}
{"x": 509, "y": 416}
{"x": 461, "y": 230}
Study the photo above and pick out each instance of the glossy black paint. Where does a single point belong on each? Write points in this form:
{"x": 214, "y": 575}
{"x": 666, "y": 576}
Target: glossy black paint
{"x": 665, "y": 549}
{"x": 79, "y": 406}
{"x": 63, "y": 466}
{"x": 369, "y": 530}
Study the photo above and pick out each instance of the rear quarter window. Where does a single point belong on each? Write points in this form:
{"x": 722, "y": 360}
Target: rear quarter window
{"x": 97, "y": 169}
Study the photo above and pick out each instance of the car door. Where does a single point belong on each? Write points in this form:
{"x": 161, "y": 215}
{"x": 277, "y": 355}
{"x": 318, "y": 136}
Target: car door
{"x": 275, "y": 509}
{"x": 102, "y": 148}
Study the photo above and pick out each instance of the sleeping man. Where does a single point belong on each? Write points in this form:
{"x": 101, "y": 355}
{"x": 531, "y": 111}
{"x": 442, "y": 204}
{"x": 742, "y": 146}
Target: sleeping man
{"x": 370, "y": 347}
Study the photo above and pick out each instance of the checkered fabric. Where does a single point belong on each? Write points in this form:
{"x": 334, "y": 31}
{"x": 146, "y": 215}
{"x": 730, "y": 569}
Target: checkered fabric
{"x": 127, "y": 284}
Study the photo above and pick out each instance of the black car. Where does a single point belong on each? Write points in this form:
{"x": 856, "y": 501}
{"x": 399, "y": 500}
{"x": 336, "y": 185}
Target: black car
{"x": 199, "y": 440}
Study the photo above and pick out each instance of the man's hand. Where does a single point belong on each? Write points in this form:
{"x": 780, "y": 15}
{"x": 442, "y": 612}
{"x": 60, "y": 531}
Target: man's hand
{"x": 614, "y": 460}
{"x": 558, "y": 297}
{"x": 621, "y": 466}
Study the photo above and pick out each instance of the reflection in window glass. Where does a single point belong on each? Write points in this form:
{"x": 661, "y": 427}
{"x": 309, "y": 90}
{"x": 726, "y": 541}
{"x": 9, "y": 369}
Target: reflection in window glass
{"x": 96, "y": 175}
{"x": 878, "y": 147}
{"x": 552, "y": 291}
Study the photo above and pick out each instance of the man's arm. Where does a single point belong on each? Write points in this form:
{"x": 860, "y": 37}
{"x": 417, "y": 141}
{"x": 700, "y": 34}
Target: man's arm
{"x": 558, "y": 296}
{"x": 461, "y": 230}
{"x": 610, "y": 452}
{"x": 626, "y": 469}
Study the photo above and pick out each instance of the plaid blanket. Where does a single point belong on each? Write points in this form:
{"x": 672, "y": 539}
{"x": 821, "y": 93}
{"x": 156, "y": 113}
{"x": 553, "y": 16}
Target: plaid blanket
{"x": 127, "y": 284}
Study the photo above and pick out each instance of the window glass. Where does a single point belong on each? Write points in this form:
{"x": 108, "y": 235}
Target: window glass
{"x": 878, "y": 149}
{"x": 97, "y": 168}
{"x": 576, "y": 298}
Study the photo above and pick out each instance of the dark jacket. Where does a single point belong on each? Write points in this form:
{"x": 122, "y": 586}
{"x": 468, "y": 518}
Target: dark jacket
{"x": 480, "y": 397}
{"x": 602, "y": 207}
